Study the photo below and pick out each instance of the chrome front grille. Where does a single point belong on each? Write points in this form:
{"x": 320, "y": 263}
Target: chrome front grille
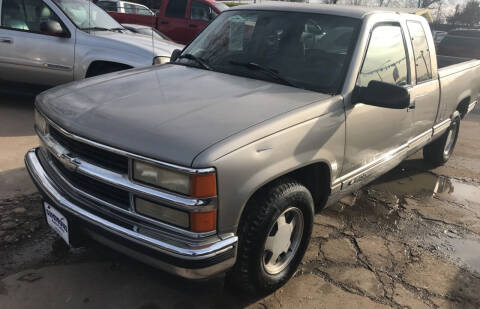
{"x": 103, "y": 191}
{"x": 102, "y": 175}
{"x": 106, "y": 159}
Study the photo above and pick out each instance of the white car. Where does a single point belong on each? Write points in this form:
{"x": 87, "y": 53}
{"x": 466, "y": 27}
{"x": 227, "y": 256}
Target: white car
{"x": 124, "y": 7}
{"x": 45, "y": 43}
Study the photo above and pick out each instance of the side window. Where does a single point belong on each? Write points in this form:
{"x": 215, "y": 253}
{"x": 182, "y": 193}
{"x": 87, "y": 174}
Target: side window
{"x": 200, "y": 11}
{"x": 423, "y": 64}
{"x": 26, "y": 15}
{"x": 176, "y": 8}
{"x": 143, "y": 10}
{"x": 386, "y": 58}
{"x": 130, "y": 8}
{"x": 108, "y": 5}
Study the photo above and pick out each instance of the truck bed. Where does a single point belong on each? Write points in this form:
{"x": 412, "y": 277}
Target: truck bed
{"x": 445, "y": 61}
{"x": 459, "y": 81}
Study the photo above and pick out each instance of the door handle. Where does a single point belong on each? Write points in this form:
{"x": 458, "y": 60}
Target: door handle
{"x": 6, "y": 40}
{"x": 164, "y": 22}
{"x": 193, "y": 26}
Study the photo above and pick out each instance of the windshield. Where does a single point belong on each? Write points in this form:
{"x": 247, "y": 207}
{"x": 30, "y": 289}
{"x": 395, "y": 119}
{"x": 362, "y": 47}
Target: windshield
{"x": 220, "y": 6}
{"x": 309, "y": 51}
{"x": 86, "y": 15}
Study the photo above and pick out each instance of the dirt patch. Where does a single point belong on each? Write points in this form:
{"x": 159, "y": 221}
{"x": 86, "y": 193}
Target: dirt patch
{"x": 20, "y": 218}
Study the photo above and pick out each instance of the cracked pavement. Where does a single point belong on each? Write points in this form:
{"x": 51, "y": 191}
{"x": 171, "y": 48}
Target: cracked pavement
{"x": 411, "y": 239}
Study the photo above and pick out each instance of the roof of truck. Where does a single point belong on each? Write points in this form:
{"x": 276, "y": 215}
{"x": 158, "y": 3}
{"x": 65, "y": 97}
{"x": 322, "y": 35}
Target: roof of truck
{"x": 334, "y": 9}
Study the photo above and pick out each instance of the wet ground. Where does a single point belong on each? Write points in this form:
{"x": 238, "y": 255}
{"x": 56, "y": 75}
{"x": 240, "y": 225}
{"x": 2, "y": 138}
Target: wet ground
{"x": 409, "y": 240}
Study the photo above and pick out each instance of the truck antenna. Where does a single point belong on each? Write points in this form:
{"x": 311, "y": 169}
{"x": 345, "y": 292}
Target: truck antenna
{"x": 152, "y": 27}
{"x": 89, "y": 13}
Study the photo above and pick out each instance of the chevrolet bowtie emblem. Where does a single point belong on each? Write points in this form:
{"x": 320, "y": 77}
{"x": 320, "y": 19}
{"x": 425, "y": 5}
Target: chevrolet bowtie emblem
{"x": 69, "y": 162}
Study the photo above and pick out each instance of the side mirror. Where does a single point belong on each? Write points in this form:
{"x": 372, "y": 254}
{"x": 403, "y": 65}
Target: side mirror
{"x": 52, "y": 27}
{"x": 175, "y": 55}
{"x": 382, "y": 95}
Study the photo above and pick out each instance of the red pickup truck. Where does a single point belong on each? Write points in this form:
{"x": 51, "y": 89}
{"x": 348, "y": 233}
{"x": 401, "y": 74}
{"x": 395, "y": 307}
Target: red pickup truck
{"x": 181, "y": 20}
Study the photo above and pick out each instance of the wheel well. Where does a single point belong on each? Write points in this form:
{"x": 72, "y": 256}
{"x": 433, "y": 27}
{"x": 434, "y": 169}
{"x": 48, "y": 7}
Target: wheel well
{"x": 315, "y": 177}
{"x": 97, "y": 67}
{"x": 463, "y": 106}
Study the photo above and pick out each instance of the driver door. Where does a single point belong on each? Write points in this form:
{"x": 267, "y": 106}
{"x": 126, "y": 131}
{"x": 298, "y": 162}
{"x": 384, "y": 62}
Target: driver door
{"x": 375, "y": 135}
{"x": 26, "y": 54}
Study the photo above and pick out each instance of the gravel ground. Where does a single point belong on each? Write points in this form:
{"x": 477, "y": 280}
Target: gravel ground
{"x": 409, "y": 240}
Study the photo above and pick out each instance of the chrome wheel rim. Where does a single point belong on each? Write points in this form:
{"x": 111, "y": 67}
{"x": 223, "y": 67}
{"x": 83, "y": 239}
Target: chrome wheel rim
{"x": 283, "y": 241}
{"x": 450, "y": 141}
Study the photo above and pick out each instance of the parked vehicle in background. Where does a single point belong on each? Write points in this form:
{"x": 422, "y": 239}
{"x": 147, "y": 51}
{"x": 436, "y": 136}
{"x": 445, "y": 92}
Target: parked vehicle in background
{"x": 153, "y": 5}
{"x": 180, "y": 20}
{"x": 125, "y": 7}
{"x": 217, "y": 161}
{"x": 461, "y": 43}
{"x": 133, "y": 10}
{"x": 438, "y": 36}
{"x": 145, "y": 30}
{"x": 45, "y": 43}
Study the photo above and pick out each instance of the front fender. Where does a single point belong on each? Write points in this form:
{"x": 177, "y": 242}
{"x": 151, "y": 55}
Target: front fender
{"x": 81, "y": 67}
{"x": 90, "y": 48}
{"x": 245, "y": 170}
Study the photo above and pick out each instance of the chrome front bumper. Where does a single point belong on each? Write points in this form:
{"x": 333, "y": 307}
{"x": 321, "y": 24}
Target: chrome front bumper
{"x": 196, "y": 262}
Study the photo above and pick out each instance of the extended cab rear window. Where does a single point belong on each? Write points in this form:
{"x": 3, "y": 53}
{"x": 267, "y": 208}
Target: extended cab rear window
{"x": 421, "y": 51}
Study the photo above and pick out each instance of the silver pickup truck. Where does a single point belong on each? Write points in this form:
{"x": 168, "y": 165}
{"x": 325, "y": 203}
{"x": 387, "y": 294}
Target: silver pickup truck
{"x": 44, "y": 43}
{"x": 218, "y": 161}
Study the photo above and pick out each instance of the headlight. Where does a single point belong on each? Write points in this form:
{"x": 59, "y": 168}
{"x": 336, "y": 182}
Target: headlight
{"x": 161, "y": 60}
{"x": 40, "y": 123}
{"x": 161, "y": 177}
{"x": 195, "y": 185}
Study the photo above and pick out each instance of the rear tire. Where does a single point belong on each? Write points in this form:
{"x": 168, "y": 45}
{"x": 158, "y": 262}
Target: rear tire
{"x": 439, "y": 151}
{"x": 273, "y": 235}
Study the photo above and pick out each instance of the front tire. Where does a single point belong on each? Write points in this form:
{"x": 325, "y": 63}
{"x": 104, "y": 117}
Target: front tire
{"x": 439, "y": 151}
{"x": 273, "y": 235}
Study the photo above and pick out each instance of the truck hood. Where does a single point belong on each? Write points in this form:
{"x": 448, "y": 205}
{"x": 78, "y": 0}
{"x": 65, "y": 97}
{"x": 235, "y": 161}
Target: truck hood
{"x": 159, "y": 46}
{"x": 170, "y": 112}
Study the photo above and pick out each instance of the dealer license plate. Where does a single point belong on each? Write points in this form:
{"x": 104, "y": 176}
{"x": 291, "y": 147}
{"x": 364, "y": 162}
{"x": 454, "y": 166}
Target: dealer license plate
{"x": 57, "y": 221}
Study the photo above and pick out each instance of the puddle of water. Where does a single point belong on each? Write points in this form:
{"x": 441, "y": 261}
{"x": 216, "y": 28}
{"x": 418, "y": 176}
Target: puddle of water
{"x": 394, "y": 186}
{"x": 427, "y": 185}
{"x": 467, "y": 251}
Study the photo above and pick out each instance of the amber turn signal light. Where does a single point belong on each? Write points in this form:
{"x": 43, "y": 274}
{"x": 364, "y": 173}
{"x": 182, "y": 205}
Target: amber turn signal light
{"x": 203, "y": 185}
{"x": 203, "y": 221}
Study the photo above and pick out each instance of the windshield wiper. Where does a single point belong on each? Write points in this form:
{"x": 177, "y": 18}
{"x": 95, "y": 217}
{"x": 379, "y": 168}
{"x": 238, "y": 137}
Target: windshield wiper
{"x": 95, "y": 28}
{"x": 196, "y": 59}
{"x": 272, "y": 72}
{"x": 102, "y": 29}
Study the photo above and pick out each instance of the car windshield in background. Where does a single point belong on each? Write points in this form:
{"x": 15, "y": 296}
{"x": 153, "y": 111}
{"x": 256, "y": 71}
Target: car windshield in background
{"x": 87, "y": 16}
{"x": 220, "y": 6}
{"x": 146, "y": 31}
{"x": 309, "y": 51}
